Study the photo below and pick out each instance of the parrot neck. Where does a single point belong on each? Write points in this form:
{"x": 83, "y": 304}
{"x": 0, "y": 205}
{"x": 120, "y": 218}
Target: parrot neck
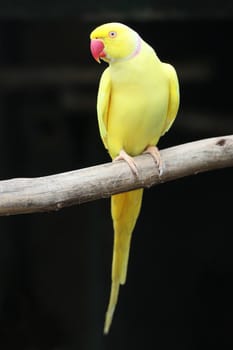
{"x": 137, "y": 49}
{"x": 132, "y": 55}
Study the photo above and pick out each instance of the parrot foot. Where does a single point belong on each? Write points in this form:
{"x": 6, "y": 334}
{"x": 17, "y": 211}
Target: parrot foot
{"x": 129, "y": 160}
{"x": 154, "y": 151}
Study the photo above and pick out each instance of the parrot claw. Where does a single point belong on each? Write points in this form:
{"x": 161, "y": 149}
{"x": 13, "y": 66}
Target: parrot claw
{"x": 129, "y": 160}
{"x": 154, "y": 151}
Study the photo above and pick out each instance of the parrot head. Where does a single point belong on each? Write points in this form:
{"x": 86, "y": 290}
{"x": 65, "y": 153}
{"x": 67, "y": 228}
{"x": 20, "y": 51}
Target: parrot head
{"x": 113, "y": 42}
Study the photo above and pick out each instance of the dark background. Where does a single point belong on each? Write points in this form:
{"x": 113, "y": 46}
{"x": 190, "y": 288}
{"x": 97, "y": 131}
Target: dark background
{"x": 55, "y": 267}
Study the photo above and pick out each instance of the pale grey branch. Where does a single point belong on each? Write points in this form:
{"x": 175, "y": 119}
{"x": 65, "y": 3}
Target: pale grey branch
{"x": 28, "y": 195}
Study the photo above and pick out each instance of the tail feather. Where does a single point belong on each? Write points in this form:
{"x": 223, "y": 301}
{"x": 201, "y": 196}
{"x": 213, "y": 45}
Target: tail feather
{"x": 125, "y": 210}
{"x": 111, "y": 306}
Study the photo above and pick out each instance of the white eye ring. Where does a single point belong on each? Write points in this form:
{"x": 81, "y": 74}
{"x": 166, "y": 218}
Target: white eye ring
{"x": 112, "y": 34}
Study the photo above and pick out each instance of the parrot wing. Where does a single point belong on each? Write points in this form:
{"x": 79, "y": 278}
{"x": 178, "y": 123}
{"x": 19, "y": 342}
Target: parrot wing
{"x": 174, "y": 96}
{"x": 103, "y": 103}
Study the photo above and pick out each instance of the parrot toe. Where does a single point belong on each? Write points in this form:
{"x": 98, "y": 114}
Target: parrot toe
{"x": 154, "y": 151}
{"x": 129, "y": 160}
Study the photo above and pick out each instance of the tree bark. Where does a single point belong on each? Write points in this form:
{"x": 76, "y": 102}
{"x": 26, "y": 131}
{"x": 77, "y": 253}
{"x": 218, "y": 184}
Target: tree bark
{"x": 29, "y": 195}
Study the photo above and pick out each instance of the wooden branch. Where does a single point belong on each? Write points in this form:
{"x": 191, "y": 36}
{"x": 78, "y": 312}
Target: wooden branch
{"x": 28, "y": 195}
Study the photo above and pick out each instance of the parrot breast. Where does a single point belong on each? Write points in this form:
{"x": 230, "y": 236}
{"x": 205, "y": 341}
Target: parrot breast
{"x": 137, "y": 112}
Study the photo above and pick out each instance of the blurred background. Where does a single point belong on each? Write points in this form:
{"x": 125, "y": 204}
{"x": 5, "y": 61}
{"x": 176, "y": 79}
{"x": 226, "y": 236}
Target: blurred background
{"x": 55, "y": 267}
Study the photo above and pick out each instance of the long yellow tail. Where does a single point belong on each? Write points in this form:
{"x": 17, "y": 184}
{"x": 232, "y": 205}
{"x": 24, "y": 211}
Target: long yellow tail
{"x": 125, "y": 210}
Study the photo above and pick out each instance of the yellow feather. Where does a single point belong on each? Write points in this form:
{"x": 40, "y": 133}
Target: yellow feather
{"x": 174, "y": 96}
{"x": 137, "y": 103}
{"x": 103, "y": 104}
{"x": 125, "y": 210}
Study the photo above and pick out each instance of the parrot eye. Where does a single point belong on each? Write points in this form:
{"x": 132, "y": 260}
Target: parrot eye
{"x": 112, "y": 34}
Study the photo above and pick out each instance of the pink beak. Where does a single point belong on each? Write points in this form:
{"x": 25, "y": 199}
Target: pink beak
{"x": 97, "y": 49}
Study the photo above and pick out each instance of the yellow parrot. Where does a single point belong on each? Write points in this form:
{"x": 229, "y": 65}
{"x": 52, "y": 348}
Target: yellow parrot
{"x": 137, "y": 102}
